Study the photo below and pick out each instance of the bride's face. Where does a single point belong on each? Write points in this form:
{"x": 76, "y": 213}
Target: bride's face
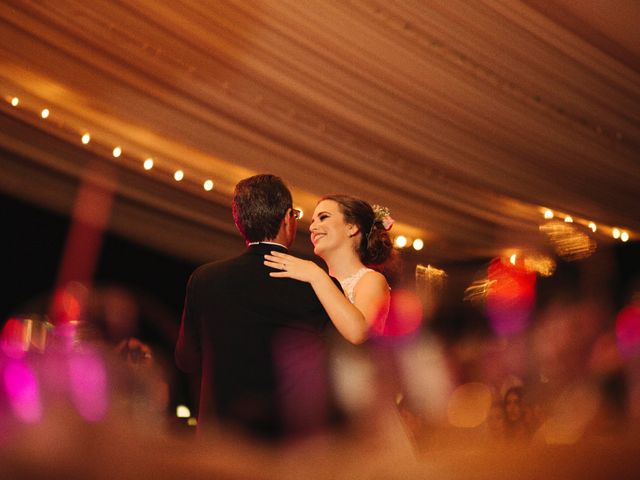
{"x": 328, "y": 228}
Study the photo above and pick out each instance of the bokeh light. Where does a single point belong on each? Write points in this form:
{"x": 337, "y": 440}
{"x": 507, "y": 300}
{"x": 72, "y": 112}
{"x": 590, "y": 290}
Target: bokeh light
{"x": 182, "y": 411}
{"x": 148, "y": 164}
{"x": 418, "y": 244}
{"x": 45, "y": 113}
{"x": 469, "y": 405}
{"x": 405, "y": 314}
{"x": 208, "y": 185}
{"x": 86, "y": 138}
{"x": 510, "y": 299}
{"x": 401, "y": 241}
{"x": 628, "y": 330}
{"x": 12, "y": 340}
{"x": 88, "y": 383}
{"x": 23, "y": 391}
{"x": 15, "y": 101}
{"x": 178, "y": 175}
{"x": 117, "y": 151}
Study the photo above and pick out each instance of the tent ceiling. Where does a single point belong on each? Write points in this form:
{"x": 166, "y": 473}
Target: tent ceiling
{"x": 465, "y": 118}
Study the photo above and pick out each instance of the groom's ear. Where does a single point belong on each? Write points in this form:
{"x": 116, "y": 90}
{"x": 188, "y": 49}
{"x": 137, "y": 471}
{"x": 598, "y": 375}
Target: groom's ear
{"x": 288, "y": 218}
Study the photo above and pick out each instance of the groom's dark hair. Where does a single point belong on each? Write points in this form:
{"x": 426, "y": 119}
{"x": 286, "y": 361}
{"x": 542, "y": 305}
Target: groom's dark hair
{"x": 259, "y": 205}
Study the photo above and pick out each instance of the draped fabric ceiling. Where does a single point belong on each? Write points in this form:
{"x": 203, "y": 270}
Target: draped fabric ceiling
{"x": 465, "y": 118}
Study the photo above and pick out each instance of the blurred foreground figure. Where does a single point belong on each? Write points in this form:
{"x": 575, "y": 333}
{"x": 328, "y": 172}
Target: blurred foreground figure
{"x": 256, "y": 340}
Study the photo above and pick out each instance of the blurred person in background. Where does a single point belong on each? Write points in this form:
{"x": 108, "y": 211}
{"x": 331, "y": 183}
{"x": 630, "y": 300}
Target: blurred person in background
{"x": 516, "y": 419}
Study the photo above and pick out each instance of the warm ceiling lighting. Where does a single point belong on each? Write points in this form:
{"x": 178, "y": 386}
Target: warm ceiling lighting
{"x": 418, "y": 244}
{"x": 615, "y": 233}
{"x": 15, "y": 101}
{"x": 593, "y": 227}
{"x": 624, "y": 236}
{"x": 401, "y": 241}
{"x": 117, "y": 152}
{"x": 568, "y": 219}
{"x": 178, "y": 175}
{"x": 548, "y": 214}
{"x": 86, "y": 138}
{"x": 44, "y": 113}
{"x": 148, "y": 164}
{"x": 208, "y": 185}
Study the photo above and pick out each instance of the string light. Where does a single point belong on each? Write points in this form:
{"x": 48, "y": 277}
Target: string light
{"x": 182, "y": 411}
{"x": 616, "y": 232}
{"x": 401, "y": 241}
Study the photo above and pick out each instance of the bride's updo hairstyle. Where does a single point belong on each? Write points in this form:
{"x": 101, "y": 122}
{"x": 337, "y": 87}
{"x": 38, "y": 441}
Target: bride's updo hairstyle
{"x": 375, "y": 243}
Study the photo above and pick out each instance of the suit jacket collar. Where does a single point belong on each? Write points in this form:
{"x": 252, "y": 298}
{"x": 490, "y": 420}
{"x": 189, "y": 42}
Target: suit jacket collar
{"x": 264, "y": 248}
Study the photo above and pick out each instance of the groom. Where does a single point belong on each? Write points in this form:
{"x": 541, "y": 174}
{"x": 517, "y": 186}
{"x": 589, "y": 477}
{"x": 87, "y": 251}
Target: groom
{"x": 256, "y": 341}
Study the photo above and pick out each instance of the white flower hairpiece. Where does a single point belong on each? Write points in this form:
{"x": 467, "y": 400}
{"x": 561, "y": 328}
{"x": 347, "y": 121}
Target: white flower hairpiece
{"x": 383, "y": 215}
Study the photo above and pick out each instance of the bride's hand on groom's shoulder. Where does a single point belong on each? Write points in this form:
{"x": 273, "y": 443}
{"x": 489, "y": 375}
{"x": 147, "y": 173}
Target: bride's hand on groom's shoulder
{"x": 288, "y": 266}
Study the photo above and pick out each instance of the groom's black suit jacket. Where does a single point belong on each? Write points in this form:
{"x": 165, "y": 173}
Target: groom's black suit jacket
{"x": 258, "y": 342}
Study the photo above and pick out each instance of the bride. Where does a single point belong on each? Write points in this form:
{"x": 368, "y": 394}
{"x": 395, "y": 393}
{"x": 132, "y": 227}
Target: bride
{"x": 352, "y": 238}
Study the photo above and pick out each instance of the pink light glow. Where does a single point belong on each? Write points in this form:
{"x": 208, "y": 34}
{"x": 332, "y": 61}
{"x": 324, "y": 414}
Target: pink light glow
{"x": 11, "y": 338}
{"x": 628, "y": 330}
{"x": 88, "y": 382}
{"x": 23, "y": 392}
{"x": 405, "y": 315}
{"x": 511, "y": 298}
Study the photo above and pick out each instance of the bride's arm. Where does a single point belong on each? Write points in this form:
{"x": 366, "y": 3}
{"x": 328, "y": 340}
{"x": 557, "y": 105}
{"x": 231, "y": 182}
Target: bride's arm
{"x": 352, "y": 321}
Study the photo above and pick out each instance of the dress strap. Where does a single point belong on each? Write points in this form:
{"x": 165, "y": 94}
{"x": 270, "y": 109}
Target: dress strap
{"x": 349, "y": 284}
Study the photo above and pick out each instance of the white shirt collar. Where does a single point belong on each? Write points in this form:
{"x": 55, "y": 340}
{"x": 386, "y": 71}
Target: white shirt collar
{"x": 266, "y": 243}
